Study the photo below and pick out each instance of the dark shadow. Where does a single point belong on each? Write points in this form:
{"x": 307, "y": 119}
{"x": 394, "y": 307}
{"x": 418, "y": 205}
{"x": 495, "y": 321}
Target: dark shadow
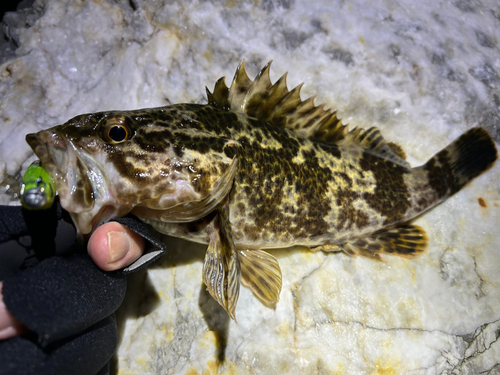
{"x": 142, "y": 298}
{"x": 217, "y": 320}
{"x": 179, "y": 252}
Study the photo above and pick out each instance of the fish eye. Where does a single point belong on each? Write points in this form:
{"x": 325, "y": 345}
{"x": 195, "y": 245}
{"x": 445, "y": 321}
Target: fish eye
{"x": 116, "y": 131}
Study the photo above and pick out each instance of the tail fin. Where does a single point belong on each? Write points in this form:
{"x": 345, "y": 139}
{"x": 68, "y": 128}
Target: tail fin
{"x": 463, "y": 160}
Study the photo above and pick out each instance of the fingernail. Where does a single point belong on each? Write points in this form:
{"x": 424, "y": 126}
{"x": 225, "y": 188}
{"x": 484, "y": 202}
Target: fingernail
{"x": 119, "y": 246}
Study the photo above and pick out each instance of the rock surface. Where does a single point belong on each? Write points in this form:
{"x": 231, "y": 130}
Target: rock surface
{"x": 422, "y": 73}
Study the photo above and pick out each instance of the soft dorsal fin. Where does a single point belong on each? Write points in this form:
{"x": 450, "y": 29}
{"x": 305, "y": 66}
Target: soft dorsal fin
{"x": 275, "y": 104}
{"x": 371, "y": 139}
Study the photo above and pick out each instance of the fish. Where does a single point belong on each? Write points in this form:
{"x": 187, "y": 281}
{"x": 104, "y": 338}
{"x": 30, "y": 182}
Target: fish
{"x": 255, "y": 168}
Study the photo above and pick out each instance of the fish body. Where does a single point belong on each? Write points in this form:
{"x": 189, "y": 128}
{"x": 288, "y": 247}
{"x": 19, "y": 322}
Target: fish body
{"x": 290, "y": 190}
{"x": 255, "y": 168}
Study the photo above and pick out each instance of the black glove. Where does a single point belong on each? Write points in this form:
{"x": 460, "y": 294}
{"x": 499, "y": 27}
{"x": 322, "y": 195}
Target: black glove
{"x": 53, "y": 287}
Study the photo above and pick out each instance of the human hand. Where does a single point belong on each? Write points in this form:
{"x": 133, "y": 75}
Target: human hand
{"x": 112, "y": 246}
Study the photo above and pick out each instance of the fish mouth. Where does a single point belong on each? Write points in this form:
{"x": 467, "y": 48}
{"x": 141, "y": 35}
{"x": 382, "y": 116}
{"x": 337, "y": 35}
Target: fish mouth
{"x": 52, "y": 151}
{"x": 60, "y": 158}
{"x": 80, "y": 179}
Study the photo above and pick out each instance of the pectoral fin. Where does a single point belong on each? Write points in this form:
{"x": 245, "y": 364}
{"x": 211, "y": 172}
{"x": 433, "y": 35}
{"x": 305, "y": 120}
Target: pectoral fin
{"x": 407, "y": 241}
{"x": 186, "y": 212}
{"x": 221, "y": 270}
{"x": 261, "y": 272}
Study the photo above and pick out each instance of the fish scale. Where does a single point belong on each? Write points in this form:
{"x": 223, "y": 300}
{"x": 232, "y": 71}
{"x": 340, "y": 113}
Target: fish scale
{"x": 255, "y": 168}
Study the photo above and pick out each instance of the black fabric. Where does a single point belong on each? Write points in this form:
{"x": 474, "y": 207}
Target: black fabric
{"x": 84, "y": 354}
{"x": 51, "y": 285}
{"x": 28, "y": 237}
{"x": 80, "y": 295}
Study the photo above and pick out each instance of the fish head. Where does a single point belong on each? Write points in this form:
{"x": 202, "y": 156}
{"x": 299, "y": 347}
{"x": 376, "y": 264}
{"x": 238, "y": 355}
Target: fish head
{"x": 147, "y": 162}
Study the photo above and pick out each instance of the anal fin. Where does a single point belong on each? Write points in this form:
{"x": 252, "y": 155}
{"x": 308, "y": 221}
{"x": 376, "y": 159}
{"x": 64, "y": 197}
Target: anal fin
{"x": 261, "y": 272}
{"x": 407, "y": 241}
{"x": 221, "y": 269}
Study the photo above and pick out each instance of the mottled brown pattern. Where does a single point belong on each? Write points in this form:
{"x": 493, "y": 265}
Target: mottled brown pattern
{"x": 390, "y": 198}
{"x": 439, "y": 174}
{"x": 268, "y": 176}
{"x": 148, "y": 142}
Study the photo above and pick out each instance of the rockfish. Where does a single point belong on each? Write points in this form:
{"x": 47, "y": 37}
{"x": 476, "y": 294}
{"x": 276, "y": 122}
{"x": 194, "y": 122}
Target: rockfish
{"x": 255, "y": 168}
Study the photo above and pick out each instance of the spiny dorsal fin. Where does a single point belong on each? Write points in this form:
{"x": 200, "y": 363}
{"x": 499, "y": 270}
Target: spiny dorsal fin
{"x": 220, "y": 97}
{"x": 275, "y": 104}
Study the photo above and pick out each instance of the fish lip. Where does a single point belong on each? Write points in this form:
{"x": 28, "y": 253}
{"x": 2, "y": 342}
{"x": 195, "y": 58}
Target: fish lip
{"x": 51, "y": 149}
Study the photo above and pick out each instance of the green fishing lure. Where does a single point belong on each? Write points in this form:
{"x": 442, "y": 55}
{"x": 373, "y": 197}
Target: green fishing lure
{"x": 37, "y": 188}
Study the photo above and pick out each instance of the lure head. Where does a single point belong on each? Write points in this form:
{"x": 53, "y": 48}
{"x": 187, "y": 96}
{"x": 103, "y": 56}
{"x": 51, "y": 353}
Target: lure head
{"x": 37, "y": 188}
{"x": 158, "y": 163}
